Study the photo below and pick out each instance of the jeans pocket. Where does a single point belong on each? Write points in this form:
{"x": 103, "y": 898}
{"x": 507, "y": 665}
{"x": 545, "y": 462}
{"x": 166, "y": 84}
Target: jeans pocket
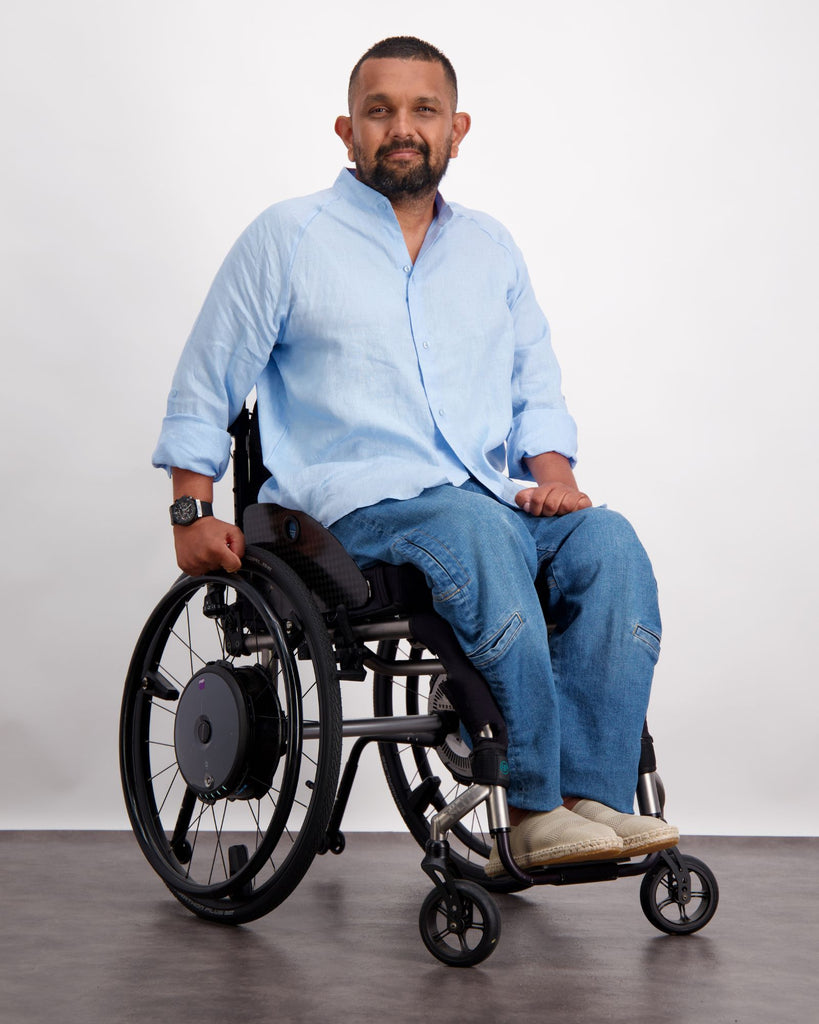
{"x": 446, "y": 574}
{"x": 496, "y": 646}
{"x": 648, "y": 637}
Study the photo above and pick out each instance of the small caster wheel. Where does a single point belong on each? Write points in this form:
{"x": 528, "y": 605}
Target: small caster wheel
{"x": 337, "y": 843}
{"x": 465, "y": 938}
{"x": 673, "y": 911}
{"x": 333, "y": 842}
{"x": 238, "y": 858}
{"x": 183, "y": 851}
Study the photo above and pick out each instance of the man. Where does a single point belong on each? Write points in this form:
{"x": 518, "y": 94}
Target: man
{"x": 404, "y": 379}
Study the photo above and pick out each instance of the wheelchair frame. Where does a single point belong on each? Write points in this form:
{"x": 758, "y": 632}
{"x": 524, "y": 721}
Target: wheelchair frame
{"x": 231, "y": 730}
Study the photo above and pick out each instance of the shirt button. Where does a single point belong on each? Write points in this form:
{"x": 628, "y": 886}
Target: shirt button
{"x": 426, "y": 344}
{"x": 407, "y": 269}
{"x": 440, "y": 412}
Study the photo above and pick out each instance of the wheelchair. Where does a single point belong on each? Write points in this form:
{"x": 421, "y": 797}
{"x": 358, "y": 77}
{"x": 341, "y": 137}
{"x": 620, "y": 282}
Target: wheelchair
{"x": 231, "y": 733}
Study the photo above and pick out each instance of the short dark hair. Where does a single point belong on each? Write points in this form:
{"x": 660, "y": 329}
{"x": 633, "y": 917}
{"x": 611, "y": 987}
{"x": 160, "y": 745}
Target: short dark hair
{"x": 406, "y": 48}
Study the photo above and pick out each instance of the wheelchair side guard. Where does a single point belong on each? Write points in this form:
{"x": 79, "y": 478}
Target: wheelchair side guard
{"x": 311, "y": 551}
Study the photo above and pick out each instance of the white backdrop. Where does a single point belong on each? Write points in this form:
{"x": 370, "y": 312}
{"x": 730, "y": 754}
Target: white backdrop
{"x": 658, "y": 165}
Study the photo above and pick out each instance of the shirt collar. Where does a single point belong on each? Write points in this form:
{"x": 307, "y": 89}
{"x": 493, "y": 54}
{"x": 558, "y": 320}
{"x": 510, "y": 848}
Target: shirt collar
{"x": 367, "y": 198}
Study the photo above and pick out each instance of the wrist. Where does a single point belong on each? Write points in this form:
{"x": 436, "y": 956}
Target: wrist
{"x": 186, "y": 510}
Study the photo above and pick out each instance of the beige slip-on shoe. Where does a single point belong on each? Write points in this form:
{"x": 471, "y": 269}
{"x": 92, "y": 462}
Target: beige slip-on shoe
{"x": 556, "y": 837}
{"x": 641, "y": 834}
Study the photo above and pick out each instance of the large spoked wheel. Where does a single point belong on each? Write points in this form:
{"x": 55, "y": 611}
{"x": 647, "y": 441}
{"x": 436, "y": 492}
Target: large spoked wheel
{"x": 421, "y": 779}
{"x": 230, "y": 738}
{"x": 464, "y": 935}
{"x": 673, "y": 910}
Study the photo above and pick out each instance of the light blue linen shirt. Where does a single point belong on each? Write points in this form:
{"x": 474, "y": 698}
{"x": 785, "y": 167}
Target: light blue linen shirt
{"x": 375, "y": 378}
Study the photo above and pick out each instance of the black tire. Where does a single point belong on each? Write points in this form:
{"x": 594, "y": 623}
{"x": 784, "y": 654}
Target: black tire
{"x": 232, "y": 841}
{"x": 665, "y": 906}
{"x": 465, "y": 939}
{"x": 411, "y": 770}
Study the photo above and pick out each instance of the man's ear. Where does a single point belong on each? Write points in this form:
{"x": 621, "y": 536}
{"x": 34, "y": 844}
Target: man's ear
{"x": 461, "y": 124}
{"x": 344, "y": 130}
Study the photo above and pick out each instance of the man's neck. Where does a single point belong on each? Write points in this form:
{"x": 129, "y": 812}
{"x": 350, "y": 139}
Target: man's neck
{"x": 414, "y": 215}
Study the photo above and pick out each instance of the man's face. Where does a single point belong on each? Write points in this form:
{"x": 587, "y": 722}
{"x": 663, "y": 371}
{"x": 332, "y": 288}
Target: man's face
{"x": 402, "y": 129}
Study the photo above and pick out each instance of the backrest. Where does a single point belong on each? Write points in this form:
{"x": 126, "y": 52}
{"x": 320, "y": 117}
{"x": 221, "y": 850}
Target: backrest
{"x": 249, "y": 471}
{"x": 299, "y": 540}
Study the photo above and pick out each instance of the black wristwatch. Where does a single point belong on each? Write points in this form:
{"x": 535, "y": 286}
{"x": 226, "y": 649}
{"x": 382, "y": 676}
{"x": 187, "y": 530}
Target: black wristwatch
{"x": 187, "y": 510}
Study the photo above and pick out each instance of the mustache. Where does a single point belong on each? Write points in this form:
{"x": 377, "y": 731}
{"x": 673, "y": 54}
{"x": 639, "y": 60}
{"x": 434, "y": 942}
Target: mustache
{"x": 392, "y": 147}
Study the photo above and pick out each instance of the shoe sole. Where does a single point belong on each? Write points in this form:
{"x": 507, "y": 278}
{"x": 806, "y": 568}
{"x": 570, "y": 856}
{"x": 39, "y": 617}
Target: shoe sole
{"x": 639, "y": 846}
{"x": 571, "y": 855}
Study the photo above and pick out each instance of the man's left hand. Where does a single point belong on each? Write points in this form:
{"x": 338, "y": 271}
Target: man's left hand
{"x": 552, "y": 499}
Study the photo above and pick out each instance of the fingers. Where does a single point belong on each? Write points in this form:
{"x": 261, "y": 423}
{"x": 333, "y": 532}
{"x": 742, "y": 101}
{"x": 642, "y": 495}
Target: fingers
{"x": 234, "y": 549}
{"x": 556, "y": 499}
{"x": 209, "y": 544}
{"x": 230, "y": 561}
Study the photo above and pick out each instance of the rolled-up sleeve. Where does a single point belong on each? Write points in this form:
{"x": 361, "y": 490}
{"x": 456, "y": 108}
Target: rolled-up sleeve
{"x": 227, "y": 349}
{"x": 540, "y": 420}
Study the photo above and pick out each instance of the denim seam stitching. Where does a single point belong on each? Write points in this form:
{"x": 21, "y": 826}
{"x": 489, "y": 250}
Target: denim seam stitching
{"x": 456, "y": 588}
{"x": 637, "y": 632}
{"x": 480, "y": 662}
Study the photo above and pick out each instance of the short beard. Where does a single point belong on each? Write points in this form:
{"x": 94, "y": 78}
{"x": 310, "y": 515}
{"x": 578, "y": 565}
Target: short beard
{"x": 394, "y": 183}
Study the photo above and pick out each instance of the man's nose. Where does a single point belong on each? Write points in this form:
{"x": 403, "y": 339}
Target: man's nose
{"x": 401, "y": 126}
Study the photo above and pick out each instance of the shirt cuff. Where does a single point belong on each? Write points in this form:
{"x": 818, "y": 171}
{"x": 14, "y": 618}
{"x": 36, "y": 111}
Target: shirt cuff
{"x": 537, "y": 431}
{"x": 190, "y": 443}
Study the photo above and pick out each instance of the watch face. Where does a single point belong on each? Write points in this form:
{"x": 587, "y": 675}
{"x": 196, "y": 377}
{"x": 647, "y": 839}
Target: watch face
{"x": 184, "y": 511}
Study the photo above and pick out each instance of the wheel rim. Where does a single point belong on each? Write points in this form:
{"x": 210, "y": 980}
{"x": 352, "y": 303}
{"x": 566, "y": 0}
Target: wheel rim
{"x": 235, "y": 846}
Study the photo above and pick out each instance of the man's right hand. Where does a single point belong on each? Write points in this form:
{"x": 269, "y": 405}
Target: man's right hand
{"x": 208, "y": 544}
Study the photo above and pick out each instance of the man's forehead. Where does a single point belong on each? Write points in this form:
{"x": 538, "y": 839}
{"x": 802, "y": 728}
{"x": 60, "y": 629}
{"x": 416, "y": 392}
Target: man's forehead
{"x": 380, "y": 77}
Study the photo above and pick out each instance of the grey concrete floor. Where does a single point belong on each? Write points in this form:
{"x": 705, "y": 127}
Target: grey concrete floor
{"x": 89, "y": 934}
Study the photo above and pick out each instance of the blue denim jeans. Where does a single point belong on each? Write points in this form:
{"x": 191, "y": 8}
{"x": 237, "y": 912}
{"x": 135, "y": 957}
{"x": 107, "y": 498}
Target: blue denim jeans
{"x": 574, "y": 702}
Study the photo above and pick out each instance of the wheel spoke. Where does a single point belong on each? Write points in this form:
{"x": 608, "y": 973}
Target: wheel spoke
{"x": 162, "y": 771}
{"x": 197, "y": 822}
{"x": 218, "y": 851}
{"x": 170, "y": 787}
{"x": 220, "y": 633}
{"x": 167, "y": 708}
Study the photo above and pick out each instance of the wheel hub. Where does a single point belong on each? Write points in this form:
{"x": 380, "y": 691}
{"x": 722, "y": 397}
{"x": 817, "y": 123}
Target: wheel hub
{"x": 454, "y": 751}
{"x": 229, "y": 732}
